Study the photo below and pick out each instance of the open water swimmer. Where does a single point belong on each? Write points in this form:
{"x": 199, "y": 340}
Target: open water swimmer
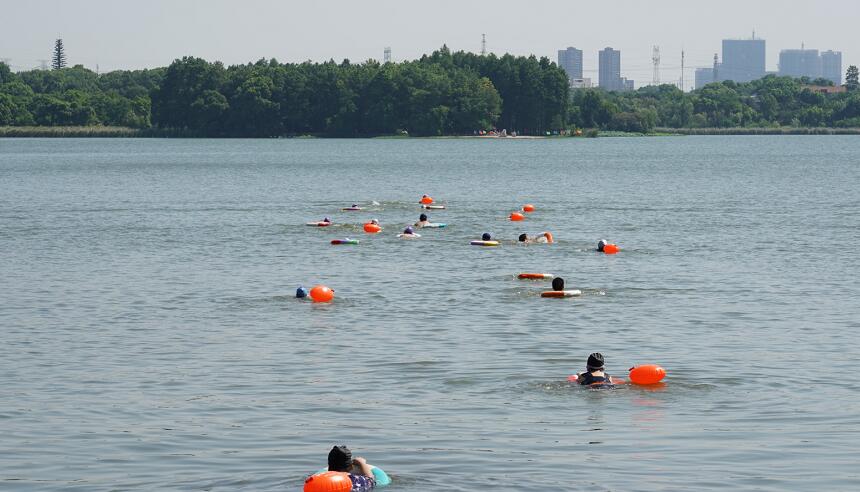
{"x": 542, "y": 238}
{"x": 595, "y": 376}
{"x": 323, "y": 223}
{"x": 486, "y": 240}
{"x": 558, "y": 290}
{"x": 409, "y": 233}
{"x": 346, "y": 474}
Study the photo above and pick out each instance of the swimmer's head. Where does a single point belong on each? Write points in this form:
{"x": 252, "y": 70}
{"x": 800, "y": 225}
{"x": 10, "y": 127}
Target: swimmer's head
{"x": 409, "y": 230}
{"x": 595, "y": 362}
{"x": 558, "y": 283}
{"x": 486, "y": 236}
{"x": 422, "y": 217}
{"x": 339, "y": 459}
{"x": 523, "y": 237}
{"x": 326, "y": 219}
{"x": 301, "y": 293}
{"x": 601, "y": 244}
{"x": 374, "y": 221}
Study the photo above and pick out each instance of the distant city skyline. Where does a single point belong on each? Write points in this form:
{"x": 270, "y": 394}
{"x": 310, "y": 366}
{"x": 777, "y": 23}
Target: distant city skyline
{"x": 121, "y": 34}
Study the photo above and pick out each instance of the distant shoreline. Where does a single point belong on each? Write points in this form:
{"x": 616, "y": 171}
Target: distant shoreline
{"x": 123, "y": 132}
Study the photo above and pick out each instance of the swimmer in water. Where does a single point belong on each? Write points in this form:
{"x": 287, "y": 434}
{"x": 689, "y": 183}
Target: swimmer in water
{"x": 422, "y": 221}
{"x": 558, "y": 284}
{"x": 374, "y": 221}
{"x": 486, "y": 237}
{"x": 542, "y": 238}
{"x": 327, "y": 220}
{"x": 409, "y": 233}
{"x": 340, "y": 460}
{"x": 594, "y": 374}
{"x": 601, "y": 244}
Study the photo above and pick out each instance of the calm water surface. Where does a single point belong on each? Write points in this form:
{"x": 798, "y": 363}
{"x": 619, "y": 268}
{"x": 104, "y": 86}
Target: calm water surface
{"x": 151, "y": 340}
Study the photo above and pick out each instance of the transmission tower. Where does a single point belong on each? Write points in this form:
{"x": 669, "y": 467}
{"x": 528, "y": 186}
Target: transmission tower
{"x": 43, "y": 64}
{"x": 716, "y": 67}
{"x": 386, "y": 57}
{"x": 655, "y": 59}
{"x": 682, "y": 70}
{"x": 483, "y": 45}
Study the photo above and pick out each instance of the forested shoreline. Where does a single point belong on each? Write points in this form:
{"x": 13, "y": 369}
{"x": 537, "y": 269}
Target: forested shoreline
{"x": 442, "y": 94}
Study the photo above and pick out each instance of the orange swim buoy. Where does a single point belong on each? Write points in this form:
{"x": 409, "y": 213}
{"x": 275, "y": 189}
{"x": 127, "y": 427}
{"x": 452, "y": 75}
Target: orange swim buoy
{"x": 528, "y": 207}
{"x": 426, "y": 200}
{"x": 328, "y": 482}
{"x": 647, "y": 374}
{"x": 321, "y": 293}
{"x": 516, "y": 217}
{"x": 535, "y": 276}
{"x": 372, "y": 228}
{"x": 611, "y": 249}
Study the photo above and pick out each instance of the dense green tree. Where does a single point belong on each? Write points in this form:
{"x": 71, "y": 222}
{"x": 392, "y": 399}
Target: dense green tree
{"x": 8, "y": 109}
{"x": 58, "y": 61}
{"x": 6, "y": 74}
{"x": 442, "y": 93}
{"x": 852, "y": 78}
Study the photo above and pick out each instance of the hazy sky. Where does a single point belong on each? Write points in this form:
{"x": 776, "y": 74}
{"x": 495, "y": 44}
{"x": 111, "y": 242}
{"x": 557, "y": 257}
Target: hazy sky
{"x": 119, "y": 34}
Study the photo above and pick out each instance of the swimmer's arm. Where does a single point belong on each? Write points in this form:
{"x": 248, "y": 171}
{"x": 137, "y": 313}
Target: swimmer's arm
{"x": 365, "y": 468}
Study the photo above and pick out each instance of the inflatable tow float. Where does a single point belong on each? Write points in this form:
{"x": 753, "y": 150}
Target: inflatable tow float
{"x": 644, "y": 375}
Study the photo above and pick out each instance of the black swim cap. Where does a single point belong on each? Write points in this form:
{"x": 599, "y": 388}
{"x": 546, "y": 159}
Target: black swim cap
{"x": 558, "y": 283}
{"x": 523, "y": 237}
{"x": 595, "y": 361}
{"x": 486, "y": 236}
{"x": 422, "y": 217}
{"x": 339, "y": 459}
{"x": 601, "y": 244}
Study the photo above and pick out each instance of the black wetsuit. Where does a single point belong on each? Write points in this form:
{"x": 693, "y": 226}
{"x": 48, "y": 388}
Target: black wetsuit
{"x": 588, "y": 379}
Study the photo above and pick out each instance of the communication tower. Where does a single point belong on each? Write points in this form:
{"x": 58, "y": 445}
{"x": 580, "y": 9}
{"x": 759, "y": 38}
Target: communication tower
{"x": 682, "y": 70}
{"x": 386, "y": 57}
{"x": 655, "y": 59}
{"x": 716, "y": 67}
{"x": 483, "y": 45}
{"x": 43, "y": 64}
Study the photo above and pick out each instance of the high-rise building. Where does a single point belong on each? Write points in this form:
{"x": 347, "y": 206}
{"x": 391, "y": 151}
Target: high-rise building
{"x": 570, "y": 60}
{"x": 800, "y": 63}
{"x": 831, "y": 66}
{"x": 743, "y": 60}
{"x": 704, "y": 76}
{"x": 610, "y": 70}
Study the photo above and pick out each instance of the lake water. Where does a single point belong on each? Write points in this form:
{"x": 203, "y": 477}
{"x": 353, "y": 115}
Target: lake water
{"x": 151, "y": 340}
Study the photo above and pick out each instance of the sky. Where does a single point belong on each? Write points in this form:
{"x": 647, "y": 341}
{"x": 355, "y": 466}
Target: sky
{"x": 122, "y": 34}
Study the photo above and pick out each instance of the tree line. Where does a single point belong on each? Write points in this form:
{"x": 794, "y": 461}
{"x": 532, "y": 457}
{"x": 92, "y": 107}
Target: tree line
{"x": 770, "y": 102}
{"x": 443, "y": 93}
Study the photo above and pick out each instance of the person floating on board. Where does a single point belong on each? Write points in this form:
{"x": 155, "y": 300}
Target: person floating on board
{"x": 543, "y": 237}
{"x": 340, "y": 460}
{"x": 422, "y": 221}
{"x": 594, "y": 376}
